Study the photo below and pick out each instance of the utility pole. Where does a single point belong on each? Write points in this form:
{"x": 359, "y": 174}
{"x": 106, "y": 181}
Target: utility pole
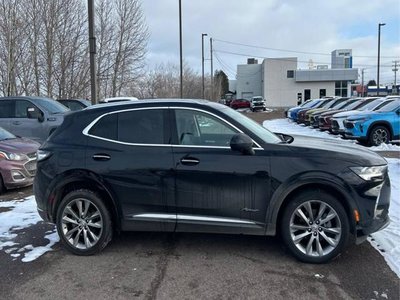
{"x": 202, "y": 64}
{"x": 379, "y": 55}
{"x": 395, "y": 75}
{"x": 180, "y": 48}
{"x": 212, "y": 71}
{"x": 362, "y": 83}
{"x": 92, "y": 51}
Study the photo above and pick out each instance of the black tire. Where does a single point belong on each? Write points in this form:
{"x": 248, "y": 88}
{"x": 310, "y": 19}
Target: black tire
{"x": 378, "y": 135}
{"x": 2, "y": 187}
{"x": 94, "y": 225}
{"x": 319, "y": 232}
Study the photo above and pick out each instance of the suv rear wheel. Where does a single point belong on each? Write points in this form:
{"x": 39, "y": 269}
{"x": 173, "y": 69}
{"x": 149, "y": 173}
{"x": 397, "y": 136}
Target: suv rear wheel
{"x": 315, "y": 227}
{"x": 83, "y": 222}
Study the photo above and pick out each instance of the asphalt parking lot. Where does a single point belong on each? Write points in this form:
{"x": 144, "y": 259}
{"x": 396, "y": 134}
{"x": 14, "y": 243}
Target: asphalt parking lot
{"x": 191, "y": 266}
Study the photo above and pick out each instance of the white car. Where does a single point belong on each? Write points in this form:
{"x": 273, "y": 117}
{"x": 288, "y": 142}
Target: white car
{"x": 257, "y": 102}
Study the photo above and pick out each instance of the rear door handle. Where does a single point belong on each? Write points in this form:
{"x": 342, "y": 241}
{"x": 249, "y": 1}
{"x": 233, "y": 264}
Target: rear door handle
{"x": 189, "y": 161}
{"x": 101, "y": 157}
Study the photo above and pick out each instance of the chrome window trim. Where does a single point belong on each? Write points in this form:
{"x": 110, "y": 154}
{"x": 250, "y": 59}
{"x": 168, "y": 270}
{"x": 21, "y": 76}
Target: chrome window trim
{"x": 180, "y": 217}
{"x": 86, "y": 130}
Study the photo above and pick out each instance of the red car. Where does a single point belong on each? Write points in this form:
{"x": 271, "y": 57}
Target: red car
{"x": 17, "y": 161}
{"x": 240, "y": 103}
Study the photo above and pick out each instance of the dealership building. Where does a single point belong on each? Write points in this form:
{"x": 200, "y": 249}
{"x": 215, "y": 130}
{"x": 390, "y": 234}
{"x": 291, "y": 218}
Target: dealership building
{"x": 282, "y": 84}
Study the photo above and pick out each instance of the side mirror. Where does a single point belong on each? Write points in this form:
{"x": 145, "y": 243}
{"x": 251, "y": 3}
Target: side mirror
{"x": 242, "y": 143}
{"x": 285, "y": 137}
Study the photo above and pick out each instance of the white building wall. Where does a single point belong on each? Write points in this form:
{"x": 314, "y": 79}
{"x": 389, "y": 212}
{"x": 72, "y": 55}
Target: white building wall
{"x": 249, "y": 81}
{"x": 281, "y": 91}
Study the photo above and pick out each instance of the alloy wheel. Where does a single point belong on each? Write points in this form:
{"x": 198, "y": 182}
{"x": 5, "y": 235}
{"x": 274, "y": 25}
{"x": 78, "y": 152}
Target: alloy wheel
{"x": 315, "y": 228}
{"x": 380, "y": 136}
{"x": 82, "y": 223}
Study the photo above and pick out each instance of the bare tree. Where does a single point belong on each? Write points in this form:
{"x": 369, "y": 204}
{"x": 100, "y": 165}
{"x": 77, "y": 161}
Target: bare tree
{"x": 122, "y": 40}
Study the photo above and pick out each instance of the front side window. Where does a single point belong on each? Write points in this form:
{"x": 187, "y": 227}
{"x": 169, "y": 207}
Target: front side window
{"x": 200, "y": 129}
{"x": 21, "y": 108}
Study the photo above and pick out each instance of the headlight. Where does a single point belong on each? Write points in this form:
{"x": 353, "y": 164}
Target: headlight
{"x": 13, "y": 156}
{"x": 42, "y": 154}
{"x": 375, "y": 173}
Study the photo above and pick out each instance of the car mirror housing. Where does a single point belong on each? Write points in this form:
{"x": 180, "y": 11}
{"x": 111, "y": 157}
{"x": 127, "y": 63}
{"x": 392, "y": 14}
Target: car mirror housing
{"x": 242, "y": 143}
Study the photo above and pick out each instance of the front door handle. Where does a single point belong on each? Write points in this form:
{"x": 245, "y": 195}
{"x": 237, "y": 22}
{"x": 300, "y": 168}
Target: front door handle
{"x": 189, "y": 161}
{"x": 101, "y": 157}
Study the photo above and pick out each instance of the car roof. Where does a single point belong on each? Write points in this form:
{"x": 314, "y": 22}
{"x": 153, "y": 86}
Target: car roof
{"x": 156, "y": 102}
{"x": 33, "y": 98}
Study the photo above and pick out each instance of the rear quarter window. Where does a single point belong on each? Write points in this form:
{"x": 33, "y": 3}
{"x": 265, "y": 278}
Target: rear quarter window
{"x": 106, "y": 127}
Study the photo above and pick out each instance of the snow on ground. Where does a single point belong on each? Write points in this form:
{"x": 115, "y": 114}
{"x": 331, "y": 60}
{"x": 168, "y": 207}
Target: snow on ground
{"x": 387, "y": 241}
{"x": 288, "y": 127}
{"x": 17, "y": 215}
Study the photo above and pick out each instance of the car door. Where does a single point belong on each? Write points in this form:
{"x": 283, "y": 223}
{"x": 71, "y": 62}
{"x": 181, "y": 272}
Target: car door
{"x": 24, "y": 126}
{"x": 130, "y": 150}
{"x": 217, "y": 189}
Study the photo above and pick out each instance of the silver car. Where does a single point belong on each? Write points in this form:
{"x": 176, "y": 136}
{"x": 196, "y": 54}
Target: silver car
{"x": 31, "y": 117}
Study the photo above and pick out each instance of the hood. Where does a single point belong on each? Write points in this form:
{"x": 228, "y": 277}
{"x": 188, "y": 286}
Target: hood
{"x": 336, "y": 149}
{"x": 19, "y": 145}
{"x": 314, "y": 110}
{"x": 363, "y": 115}
{"x": 347, "y": 113}
{"x": 331, "y": 112}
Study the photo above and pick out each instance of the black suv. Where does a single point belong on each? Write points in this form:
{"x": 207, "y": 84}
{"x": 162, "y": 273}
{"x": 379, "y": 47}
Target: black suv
{"x": 198, "y": 166}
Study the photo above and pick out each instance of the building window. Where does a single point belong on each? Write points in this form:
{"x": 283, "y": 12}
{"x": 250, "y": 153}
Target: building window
{"x": 322, "y": 93}
{"x": 290, "y": 74}
{"x": 341, "y": 88}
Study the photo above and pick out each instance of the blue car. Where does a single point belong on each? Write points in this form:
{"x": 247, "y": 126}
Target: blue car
{"x": 292, "y": 113}
{"x": 375, "y": 127}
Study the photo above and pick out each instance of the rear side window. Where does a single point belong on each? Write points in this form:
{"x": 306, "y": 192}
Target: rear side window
{"x": 136, "y": 127}
{"x": 141, "y": 126}
{"x": 7, "y": 109}
{"x": 106, "y": 127}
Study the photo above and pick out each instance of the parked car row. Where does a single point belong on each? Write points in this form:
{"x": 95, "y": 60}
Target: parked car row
{"x": 370, "y": 120}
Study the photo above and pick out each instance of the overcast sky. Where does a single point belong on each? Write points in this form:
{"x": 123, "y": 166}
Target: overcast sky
{"x": 308, "y": 26}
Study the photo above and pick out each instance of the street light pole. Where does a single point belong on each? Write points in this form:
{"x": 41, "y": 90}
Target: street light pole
{"x": 180, "y": 48}
{"x": 212, "y": 71}
{"x": 202, "y": 63}
{"x": 92, "y": 53}
{"x": 379, "y": 55}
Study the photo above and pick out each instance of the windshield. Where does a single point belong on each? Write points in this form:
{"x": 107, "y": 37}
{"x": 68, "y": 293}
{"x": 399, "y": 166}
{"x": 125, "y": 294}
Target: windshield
{"x": 263, "y": 133}
{"x": 344, "y": 104}
{"x": 372, "y": 105}
{"x": 86, "y": 102}
{"x": 355, "y": 104}
{"x": 390, "y": 107}
{"x": 327, "y": 104}
{"x": 5, "y": 135}
{"x": 313, "y": 103}
{"x": 258, "y": 99}
{"x": 52, "y": 106}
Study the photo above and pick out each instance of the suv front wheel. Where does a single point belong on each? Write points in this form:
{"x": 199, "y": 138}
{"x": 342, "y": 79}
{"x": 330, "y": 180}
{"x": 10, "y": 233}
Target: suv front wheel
{"x": 315, "y": 227}
{"x": 83, "y": 222}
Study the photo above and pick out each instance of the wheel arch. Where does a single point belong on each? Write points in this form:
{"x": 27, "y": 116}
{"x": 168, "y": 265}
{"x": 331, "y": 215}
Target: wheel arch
{"x": 83, "y": 179}
{"x": 383, "y": 123}
{"x": 283, "y": 197}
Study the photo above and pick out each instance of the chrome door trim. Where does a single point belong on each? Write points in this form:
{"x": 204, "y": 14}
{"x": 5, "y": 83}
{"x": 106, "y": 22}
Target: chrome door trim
{"x": 183, "y": 217}
{"x": 86, "y": 130}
